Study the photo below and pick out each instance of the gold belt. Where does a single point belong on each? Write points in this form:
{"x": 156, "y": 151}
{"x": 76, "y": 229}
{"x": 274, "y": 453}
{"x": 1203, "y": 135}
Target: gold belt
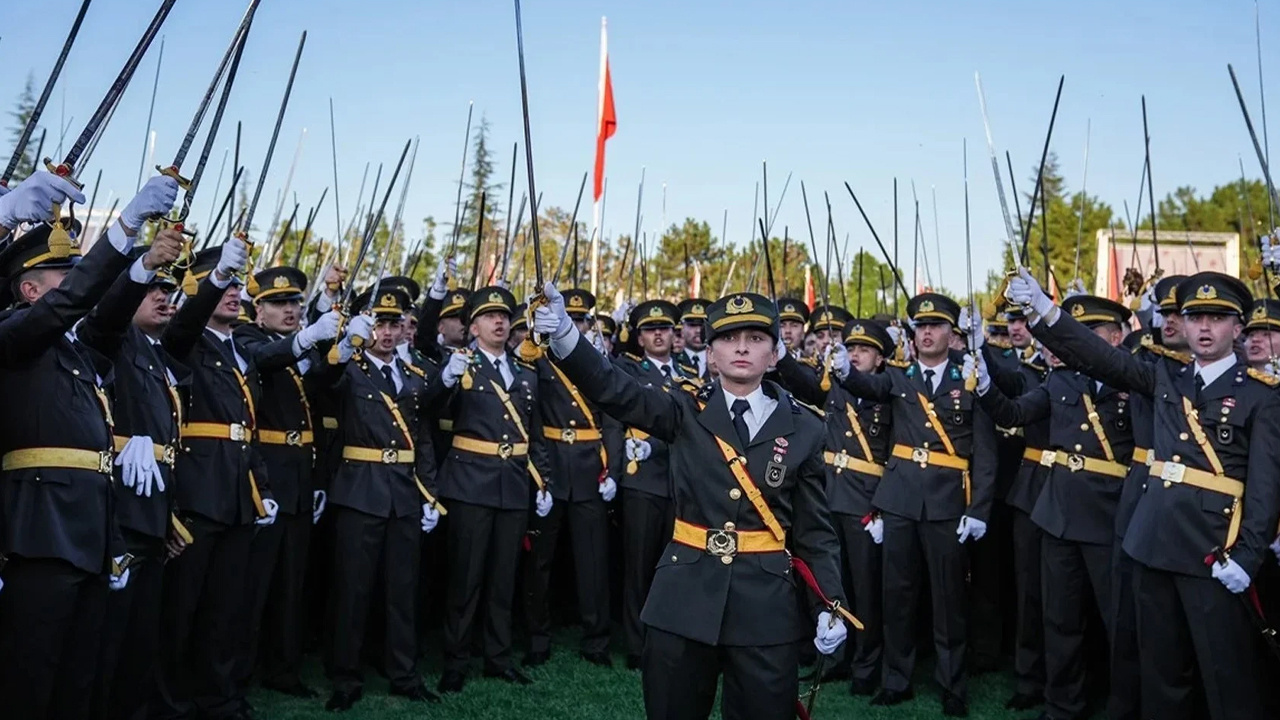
{"x": 293, "y": 438}
{"x": 1035, "y": 455}
{"x": 329, "y": 423}
{"x": 928, "y": 457}
{"x": 216, "y": 431}
{"x": 386, "y": 456}
{"x": 51, "y": 457}
{"x": 163, "y": 453}
{"x": 1178, "y": 474}
{"x": 502, "y": 450}
{"x": 845, "y": 461}
{"x": 1076, "y": 462}
{"x": 1141, "y": 456}
{"x": 726, "y": 542}
{"x": 570, "y": 436}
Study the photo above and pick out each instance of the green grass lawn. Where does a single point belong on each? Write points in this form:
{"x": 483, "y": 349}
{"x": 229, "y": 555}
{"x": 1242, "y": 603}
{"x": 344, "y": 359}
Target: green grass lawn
{"x": 569, "y": 689}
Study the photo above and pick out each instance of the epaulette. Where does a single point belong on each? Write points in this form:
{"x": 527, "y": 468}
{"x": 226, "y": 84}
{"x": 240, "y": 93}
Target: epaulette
{"x": 689, "y": 370}
{"x": 1000, "y": 343}
{"x": 1150, "y": 344}
{"x": 1263, "y": 377}
{"x": 903, "y": 364}
{"x": 796, "y": 405}
{"x": 704, "y": 393}
{"x": 416, "y": 370}
{"x": 631, "y": 356}
{"x": 526, "y": 365}
{"x": 810, "y": 361}
{"x": 693, "y": 386}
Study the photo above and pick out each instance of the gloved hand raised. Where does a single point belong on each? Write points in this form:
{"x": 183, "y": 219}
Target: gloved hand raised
{"x": 234, "y": 257}
{"x": 155, "y": 199}
{"x": 33, "y": 199}
{"x": 324, "y": 328}
{"x": 1025, "y": 290}
{"x": 446, "y": 269}
{"x": 455, "y": 368}
{"x": 550, "y": 318}
{"x": 840, "y": 364}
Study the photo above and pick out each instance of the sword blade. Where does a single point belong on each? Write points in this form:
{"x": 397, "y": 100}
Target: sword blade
{"x": 275, "y": 134}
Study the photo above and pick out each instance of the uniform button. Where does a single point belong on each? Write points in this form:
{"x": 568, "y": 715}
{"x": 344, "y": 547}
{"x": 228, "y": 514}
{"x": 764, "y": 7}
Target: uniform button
{"x": 217, "y": 363}
{"x": 930, "y": 406}
{"x": 674, "y": 558}
{"x": 504, "y": 437}
{"x": 506, "y": 417}
{"x": 573, "y": 423}
{"x": 726, "y": 559}
{"x": 75, "y": 372}
{"x": 574, "y": 403}
{"x": 735, "y": 494}
{"x": 1078, "y": 448}
{"x": 1084, "y": 426}
{"x": 1182, "y": 436}
{"x": 393, "y": 443}
{"x": 1226, "y": 511}
{"x": 1226, "y": 410}
{"x": 928, "y": 425}
{"x": 730, "y": 527}
{"x": 848, "y": 433}
{"x": 1064, "y": 398}
{"x": 1177, "y": 458}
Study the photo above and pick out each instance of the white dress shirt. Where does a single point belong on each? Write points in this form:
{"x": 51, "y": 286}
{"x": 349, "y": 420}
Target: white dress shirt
{"x": 762, "y": 406}
{"x": 659, "y": 364}
{"x": 700, "y": 359}
{"x": 504, "y": 368}
{"x": 938, "y": 370}
{"x": 223, "y": 339}
{"x": 1215, "y": 369}
{"x": 395, "y": 370}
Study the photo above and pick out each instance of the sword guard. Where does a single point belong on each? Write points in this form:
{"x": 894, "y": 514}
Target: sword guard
{"x": 63, "y": 171}
{"x": 172, "y": 171}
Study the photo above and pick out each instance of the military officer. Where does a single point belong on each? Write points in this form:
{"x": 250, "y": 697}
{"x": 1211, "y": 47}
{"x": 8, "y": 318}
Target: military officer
{"x": 857, "y": 447}
{"x": 1212, "y": 491}
{"x": 608, "y": 329}
{"x": 647, "y": 513}
{"x": 382, "y": 495}
{"x": 936, "y": 495}
{"x": 1089, "y": 450}
{"x": 222, "y": 496}
{"x": 126, "y": 327}
{"x": 575, "y": 433}
{"x": 693, "y": 318}
{"x": 748, "y": 477}
{"x": 496, "y": 459}
{"x": 60, "y": 545}
{"x": 285, "y": 438}
{"x": 1262, "y": 335}
{"x": 793, "y": 319}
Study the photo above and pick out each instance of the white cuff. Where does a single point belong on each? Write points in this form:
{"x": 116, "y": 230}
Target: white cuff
{"x": 140, "y": 274}
{"x": 219, "y": 283}
{"x": 435, "y": 294}
{"x": 323, "y": 303}
{"x": 118, "y": 239}
{"x": 298, "y": 350}
{"x": 562, "y": 346}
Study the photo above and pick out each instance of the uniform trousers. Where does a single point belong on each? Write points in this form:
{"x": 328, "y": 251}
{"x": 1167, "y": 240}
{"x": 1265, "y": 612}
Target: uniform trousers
{"x": 647, "y": 522}
{"x": 916, "y": 553}
{"x": 277, "y": 571}
{"x": 588, "y": 523}
{"x": 368, "y": 549}
{"x": 1072, "y": 575}
{"x": 1193, "y": 631}
{"x": 1125, "y": 701}
{"x": 680, "y": 677}
{"x": 1028, "y": 654}
{"x": 51, "y": 616}
{"x": 131, "y": 635}
{"x": 863, "y": 563}
{"x": 484, "y": 556}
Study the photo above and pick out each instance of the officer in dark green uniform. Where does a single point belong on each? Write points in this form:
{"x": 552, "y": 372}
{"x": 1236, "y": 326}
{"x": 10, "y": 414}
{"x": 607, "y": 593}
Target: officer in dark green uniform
{"x": 693, "y": 319}
{"x": 748, "y": 477}
{"x": 1213, "y": 491}
{"x": 1088, "y": 455}
{"x": 935, "y": 496}
{"x": 793, "y": 320}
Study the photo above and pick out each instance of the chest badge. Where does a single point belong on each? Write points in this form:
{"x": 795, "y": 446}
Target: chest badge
{"x": 774, "y": 473}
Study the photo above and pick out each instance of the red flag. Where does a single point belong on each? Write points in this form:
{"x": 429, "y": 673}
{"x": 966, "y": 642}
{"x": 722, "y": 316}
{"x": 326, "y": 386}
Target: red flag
{"x": 607, "y": 123}
{"x": 695, "y": 285}
{"x": 1113, "y": 284}
{"x": 810, "y": 297}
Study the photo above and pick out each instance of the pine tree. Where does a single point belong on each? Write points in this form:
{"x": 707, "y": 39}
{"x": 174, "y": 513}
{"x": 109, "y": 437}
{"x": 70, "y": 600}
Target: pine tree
{"x": 21, "y": 114}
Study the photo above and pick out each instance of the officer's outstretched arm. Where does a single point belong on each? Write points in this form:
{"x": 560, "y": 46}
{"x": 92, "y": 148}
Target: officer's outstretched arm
{"x": 1080, "y": 349}
{"x": 1017, "y": 412}
{"x": 651, "y": 409}
{"x": 801, "y": 381}
{"x": 868, "y": 386}
{"x": 1262, "y": 491}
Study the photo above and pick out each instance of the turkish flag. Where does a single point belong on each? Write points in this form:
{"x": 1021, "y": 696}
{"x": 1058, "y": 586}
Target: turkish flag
{"x": 608, "y": 117}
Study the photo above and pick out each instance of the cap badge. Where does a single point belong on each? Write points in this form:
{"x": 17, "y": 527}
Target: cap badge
{"x": 655, "y": 311}
{"x": 1260, "y": 312}
{"x": 739, "y": 304}
{"x": 495, "y": 297}
{"x": 387, "y": 301}
{"x": 858, "y": 330}
{"x": 926, "y": 306}
{"x": 1077, "y": 310}
{"x": 697, "y": 309}
{"x": 280, "y": 282}
{"x": 576, "y": 301}
{"x": 789, "y": 308}
{"x": 1206, "y": 292}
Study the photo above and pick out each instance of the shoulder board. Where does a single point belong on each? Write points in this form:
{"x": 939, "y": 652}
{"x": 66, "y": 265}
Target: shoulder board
{"x": 689, "y": 371}
{"x": 1000, "y": 343}
{"x": 810, "y": 361}
{"x": 693, "y": 386}
{"x": 631, "y": 356}
{"x": 704, "y": 392}
{"x": 525, "y": 365}
{"x": 902, "y": 364}
{"x": 1265, "y": 378}
{"x": 416, "y": 370}
{"x": 796, "y": 405}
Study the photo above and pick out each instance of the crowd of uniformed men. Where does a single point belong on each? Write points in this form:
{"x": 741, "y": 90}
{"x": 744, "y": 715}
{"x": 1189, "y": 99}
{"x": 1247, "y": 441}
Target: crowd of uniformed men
{"x": 204, "y": 469}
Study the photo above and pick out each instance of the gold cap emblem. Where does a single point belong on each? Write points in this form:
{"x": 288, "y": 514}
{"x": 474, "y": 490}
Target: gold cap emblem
{"x": 495, "y": 297}
{"x": 739, "y": 304}
{"x": 280, "y": 282}
{"x": 655, "y": 311}
{"x": 387, "y": 301}
{"x": 1260, "y": 312}
{"x": 1207, "y": 292}
{"x": 575, "y": 301}
{"x": 858, "y": 331}
{"x": 698, "y": 309}
{"x": 789, "y": 308}
{"x": 1077, "y": 310}
{"x": 926, "y": 306}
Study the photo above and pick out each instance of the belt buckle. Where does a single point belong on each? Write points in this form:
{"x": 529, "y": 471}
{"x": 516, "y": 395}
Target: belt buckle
{"x": 294, "y": 438}
{"x": 390, "y": 456}
{"x": 722, "y": 543}
{"x": 920, "y": 455}
{"x": 841, "y": 460}
{"x": 169, "y": 456}
{"x": 1048, "y": 457}
{"x": 238, "y": 432}
{"x": 504, "y": 450}
{"x": 1172, "y": 473}
{"x": 569, "y": 435}
{"x": 1075, "y": 463}
{"x": 105, "y": 462}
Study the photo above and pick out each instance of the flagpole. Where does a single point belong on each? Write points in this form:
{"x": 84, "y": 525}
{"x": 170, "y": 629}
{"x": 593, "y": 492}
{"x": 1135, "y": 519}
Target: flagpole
{"x": 595, "y": 205}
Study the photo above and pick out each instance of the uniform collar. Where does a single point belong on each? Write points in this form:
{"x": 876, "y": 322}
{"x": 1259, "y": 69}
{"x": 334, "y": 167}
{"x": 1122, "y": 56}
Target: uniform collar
{"x": 1215, "y": 369}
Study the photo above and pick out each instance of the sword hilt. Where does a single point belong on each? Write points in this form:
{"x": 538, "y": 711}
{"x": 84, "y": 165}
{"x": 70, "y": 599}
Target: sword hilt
{"x": 64, "y": 171}
{"x": 333, "y": 355}
{"x": 172, "y": 171}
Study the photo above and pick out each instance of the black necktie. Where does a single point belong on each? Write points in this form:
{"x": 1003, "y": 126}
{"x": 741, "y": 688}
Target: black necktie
{"x": 390, "y": 378}
{"x": 231, "y": 351}
{"x": 1199, "y": 388}
{"x": 497, "y": 365}
{"x": 666, "y": 371}
{"x": 693, "y": 360}
{"x": 738, "y": 409}
{"x": 928, "y": 379}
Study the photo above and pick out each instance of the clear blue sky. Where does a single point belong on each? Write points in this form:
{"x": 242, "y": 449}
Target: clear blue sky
{"x": 705, "y": 90}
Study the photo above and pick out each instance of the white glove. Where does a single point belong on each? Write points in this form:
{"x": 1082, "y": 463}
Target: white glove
{"x": 1148, "y": 299}
{"x": 1024, "y": 290}
{"x": 272, "y": 507}
{"x": 1232, "y": 576}
{"x": 154, "y": 200}
{"x": 455, "y": 368}
{"x": 831, "y": 633}
{"x": 117, "y": 582}
{"x": 1275, "y": 547}
{"x": 447, "y": 268}
{"x": 971, "y": 528}
{"x": 977, "y": 338}
{"x": 980, "y": 367}
{"x": 965, "y": 321}
{"x": 840, "y": 361}
{"x": 543, "y": 500}
{"x": 430, "y": 517}
{"x": 324, "y": 328}
{"x": 235, "y": 255}
{"x": 551, "y": 319}
{"x": 360, "y": 326}
{"x": 319, "y": 499}
{"x": 1076, "y": 287}
{"x": 32, "y": 200}
{"x": 620, "y": 315}
{"x": 638, "y": 450}
{"x": 138, "y": 467}
{"x": 875, "y": 529}
{"x": 608, "y": 489}
{"x": 3, "y": 191}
